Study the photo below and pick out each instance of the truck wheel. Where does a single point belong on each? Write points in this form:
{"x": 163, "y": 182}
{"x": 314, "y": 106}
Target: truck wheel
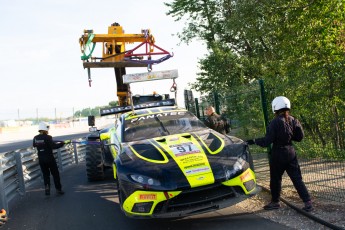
{"x": 94, "y": 163}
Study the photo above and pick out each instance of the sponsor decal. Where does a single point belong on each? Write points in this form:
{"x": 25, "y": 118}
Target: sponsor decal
{"x": 121, "y": 109}
{"x": 195, "y": 165}
{"x": 191, "y": 158}
{"x": 184, "y": 149}
{"x": 152, "y": 116}
{"x": 39, "y": 141}
{"x": 245, "y": 176}
{"x": 197, "y": 170}
{"x": 186, "y": 153}
{"x": 147, "y": 197}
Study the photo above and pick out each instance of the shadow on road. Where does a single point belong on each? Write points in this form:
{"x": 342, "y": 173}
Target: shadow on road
{"x": 94, "y": 205}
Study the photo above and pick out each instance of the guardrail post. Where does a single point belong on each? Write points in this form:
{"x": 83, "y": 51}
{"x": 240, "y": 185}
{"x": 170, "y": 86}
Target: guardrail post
{"x": 20, "y": 173}
{"x": 3, "y": 200}
{"x": 75, "y": 152}
{"x": 59, "y": 155}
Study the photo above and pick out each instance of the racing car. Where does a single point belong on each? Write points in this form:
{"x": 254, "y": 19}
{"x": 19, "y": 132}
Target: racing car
{"x": 168, "y": 164}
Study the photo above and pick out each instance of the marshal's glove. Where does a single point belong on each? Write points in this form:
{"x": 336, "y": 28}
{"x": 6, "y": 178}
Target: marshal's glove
{"x": 251, "y": 142}
{"x": 3, "y": 217}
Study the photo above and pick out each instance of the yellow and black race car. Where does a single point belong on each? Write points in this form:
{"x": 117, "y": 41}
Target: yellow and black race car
{"x": 168, "y": 164}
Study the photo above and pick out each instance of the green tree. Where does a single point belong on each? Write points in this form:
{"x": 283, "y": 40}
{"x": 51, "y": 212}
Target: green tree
{"x": 94, "y": 111}
{"x": 113, "y": 103}
{"x": 297, "y": 47}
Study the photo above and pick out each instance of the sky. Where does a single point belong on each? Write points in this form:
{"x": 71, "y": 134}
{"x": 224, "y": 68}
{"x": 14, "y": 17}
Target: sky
{"x": 41, "y": 73}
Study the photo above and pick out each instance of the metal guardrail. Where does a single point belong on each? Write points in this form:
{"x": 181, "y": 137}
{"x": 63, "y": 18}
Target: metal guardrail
{"x": 20, "y": 168}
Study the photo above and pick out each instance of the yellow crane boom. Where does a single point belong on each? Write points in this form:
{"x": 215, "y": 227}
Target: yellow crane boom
{"x": 114, "y": 53}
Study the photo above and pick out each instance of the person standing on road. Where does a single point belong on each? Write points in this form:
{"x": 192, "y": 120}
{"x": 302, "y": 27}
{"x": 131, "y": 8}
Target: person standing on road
{"x": 282, "y": 130}
{"x": 214, "y": 121}
{"x": 45, "y": 145}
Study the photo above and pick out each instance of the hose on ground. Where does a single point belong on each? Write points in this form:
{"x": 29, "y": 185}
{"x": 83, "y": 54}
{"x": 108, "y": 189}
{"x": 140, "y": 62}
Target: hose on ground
{"x": 307, "y": 214}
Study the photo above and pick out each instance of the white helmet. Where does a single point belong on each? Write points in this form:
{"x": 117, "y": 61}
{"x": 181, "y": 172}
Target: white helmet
{"x": 279, "y": 103}
{"x": 43, "y": 126}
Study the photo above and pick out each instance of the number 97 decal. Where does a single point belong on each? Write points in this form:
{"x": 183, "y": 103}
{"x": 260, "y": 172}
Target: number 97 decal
{"x": 183, "y": 149}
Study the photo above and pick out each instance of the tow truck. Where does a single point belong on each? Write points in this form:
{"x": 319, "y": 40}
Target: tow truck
{"x": 114, "y": 54}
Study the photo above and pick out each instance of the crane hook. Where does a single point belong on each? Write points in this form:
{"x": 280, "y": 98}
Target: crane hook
{"x": 173, "y": 88}
{"x": 149, "y": 66}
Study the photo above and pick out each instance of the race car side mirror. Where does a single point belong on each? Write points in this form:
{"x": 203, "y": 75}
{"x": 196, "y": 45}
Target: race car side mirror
{"x": 105, "y": 136}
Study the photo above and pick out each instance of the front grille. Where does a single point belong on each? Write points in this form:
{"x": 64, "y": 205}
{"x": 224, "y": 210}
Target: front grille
{"x": 196, "y": 198}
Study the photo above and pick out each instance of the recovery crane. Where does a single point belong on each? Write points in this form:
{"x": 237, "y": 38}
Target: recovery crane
{"x": 115, "y": 55}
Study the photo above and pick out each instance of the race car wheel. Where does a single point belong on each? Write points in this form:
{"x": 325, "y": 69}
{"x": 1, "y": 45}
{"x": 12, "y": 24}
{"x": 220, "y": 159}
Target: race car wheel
{"x": 94, "y": 163}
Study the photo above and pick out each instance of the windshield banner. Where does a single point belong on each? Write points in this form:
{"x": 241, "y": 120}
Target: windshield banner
{"x": 122, "y": 109}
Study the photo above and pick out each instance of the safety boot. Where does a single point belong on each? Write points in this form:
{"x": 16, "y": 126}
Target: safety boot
{"x": 308, "y": 207}
{"x": 47, "y": 190}
{"x": 272, "y": 205}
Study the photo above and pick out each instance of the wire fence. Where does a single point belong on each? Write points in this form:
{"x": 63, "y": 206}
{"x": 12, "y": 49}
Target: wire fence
{"x": 321, "y": 160}
{"x": 324, "y": 178}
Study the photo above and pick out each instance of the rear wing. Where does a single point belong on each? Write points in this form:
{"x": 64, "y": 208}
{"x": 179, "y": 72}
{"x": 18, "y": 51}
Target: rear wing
{"x": 122, "y": 109}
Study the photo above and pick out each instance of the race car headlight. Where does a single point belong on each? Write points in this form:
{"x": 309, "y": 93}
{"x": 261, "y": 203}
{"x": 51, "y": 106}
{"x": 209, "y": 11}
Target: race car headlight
{"x": 238, "y": 165}
{"x": 145, "y": 180}
{"x": 236, "y": 169}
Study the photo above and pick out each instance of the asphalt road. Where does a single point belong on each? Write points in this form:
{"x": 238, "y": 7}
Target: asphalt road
{"x": 94, "y": 205}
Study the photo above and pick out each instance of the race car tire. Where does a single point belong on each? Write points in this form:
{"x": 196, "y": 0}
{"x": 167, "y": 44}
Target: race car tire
{"x": 119, "y": 193}
{"x": 250, "y": 161}
{"x": 94, "y": 163}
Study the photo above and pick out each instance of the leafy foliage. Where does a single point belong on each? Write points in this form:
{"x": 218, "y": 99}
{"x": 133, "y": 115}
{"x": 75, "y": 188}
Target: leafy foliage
{"x": 296, "y": 47}
{"x": 87, "y": 112}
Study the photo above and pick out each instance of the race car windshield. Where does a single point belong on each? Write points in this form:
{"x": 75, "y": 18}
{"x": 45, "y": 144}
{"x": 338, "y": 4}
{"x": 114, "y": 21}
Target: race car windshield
{"x": 161, "y": 124}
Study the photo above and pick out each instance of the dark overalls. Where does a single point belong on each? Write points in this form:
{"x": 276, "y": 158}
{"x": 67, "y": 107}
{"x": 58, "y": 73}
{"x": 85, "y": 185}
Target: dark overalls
{"x": 283, "y": 157}
{"x": 45, "y": 145}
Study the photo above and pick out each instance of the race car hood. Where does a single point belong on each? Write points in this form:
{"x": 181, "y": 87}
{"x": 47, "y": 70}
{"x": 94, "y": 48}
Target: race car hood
{"x": 183, "y": 160}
